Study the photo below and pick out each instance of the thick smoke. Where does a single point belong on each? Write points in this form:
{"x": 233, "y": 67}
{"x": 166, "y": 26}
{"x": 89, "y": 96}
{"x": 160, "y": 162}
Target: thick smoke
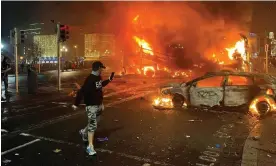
{"x": 202, "y": 28}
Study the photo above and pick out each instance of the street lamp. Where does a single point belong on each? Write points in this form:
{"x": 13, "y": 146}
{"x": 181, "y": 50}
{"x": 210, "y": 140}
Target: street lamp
{"x": 76, "y": 51}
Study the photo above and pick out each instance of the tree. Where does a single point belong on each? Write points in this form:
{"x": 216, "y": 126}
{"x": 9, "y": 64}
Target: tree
{"x": 34, "y": 52}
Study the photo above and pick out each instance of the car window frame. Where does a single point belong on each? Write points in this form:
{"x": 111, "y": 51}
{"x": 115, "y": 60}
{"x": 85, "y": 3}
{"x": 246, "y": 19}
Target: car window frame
{"x": 248, "y": 77}
{"x": 221, "y": 86}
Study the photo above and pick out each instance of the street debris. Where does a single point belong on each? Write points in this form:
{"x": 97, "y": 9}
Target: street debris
{"x": 25, "y": 134}
{"x": 16, "y": 154}
{"x": 187, "y": 136}
{"x": 218, "y": 145}
{"x": 102, "y": 139}
{"x": 195, "y": 120}
{"x": 60, "y": 103}
{"x": 146, "y": 164}
{"x": 57, "y": 150}
{"x": 116, "y": 120}
{"x": 268, "y": 155}
{"x": 255, "y": 138}
{"x": 6, "y": 161}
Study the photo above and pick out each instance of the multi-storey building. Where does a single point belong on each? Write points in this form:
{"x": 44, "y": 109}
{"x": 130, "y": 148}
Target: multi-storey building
{"x": 98, "y": 46}
{"x": 45, "y": 47}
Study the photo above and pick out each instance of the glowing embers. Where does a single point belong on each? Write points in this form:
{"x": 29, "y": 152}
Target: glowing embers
{"x": 261, "y": 105}
{"x": 163, "y": 102}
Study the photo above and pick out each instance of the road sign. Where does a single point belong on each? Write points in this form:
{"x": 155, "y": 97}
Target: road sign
{"x": 266, "y": 48}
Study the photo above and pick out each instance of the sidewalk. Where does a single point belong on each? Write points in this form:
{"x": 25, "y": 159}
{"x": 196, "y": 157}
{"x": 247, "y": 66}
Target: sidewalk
{"x": 43, "y": 91}
{"x": 260, "y": 146}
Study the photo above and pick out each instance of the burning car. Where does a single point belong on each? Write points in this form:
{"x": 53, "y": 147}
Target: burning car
{"x": 257, "y": 92}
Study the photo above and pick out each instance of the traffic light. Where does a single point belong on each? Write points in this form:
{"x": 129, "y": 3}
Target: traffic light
{"x": 64, "y": 32}
{"x": 22, "y": 36}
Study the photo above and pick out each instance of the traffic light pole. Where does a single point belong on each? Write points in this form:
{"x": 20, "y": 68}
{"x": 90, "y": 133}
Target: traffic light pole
{"x": 266, "y": 59}
{"x": 58, "y": 56}
{"x": 16, "y": 58}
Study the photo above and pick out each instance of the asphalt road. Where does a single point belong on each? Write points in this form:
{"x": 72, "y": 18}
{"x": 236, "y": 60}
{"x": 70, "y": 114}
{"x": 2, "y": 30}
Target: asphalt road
{"x": 44, "y": 131}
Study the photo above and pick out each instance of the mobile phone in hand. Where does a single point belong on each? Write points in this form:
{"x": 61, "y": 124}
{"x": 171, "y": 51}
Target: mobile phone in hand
{"x": 112, "y": 75}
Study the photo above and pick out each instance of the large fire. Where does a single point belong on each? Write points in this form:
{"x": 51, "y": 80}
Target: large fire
{"x": 146, "y": 48}
{"x": 239, "y": 48}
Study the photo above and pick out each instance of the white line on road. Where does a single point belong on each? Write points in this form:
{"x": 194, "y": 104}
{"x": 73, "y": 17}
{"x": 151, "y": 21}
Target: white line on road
{"x": 20, "y": 146}
{"x": 31, "y": 113}
{"x": 137, "y": 158}
{"x": 26, "y": 108}
{"x": 71, "y": 115}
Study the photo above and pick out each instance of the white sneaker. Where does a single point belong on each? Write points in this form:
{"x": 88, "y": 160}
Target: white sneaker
{"x": 90, "y": 150}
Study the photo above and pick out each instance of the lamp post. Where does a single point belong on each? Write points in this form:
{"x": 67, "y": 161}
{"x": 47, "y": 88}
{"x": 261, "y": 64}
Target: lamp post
{"x": 76, "y": 48}
{"x": 64, "y": 49}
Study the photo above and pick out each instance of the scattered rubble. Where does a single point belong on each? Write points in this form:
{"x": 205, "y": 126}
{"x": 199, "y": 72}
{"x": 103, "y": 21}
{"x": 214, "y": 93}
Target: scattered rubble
{"x": 6, "y": 161}
{"x": 57, "y": 150}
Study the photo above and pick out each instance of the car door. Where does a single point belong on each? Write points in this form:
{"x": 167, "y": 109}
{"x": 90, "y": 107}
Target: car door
{"x": 237, "y": 90}
{"x": 207, "y": 92}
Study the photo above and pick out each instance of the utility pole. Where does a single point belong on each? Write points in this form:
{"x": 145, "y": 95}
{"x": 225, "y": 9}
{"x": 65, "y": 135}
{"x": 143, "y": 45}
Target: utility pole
{"x": 58, "y": 57}
{"x": 141, "y": 57}
{"x": 266, "y": 58}
{"x": 16, "y": 58}
{"x": 38, "y": 64}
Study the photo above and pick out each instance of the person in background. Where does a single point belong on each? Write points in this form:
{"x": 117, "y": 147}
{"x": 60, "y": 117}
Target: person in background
{"x": 5, "y": 67}
{"x": 93, "y": 99}
{"x": 22, "y": 67}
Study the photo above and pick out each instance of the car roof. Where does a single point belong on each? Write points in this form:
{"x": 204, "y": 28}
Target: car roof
{"x": 267, "y": 77}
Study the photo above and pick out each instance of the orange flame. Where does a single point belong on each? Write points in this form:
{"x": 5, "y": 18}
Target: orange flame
{"x": 145, "y": 45}
{"x": 136, "y": 18}
{"x": 239, "y": 47}
{"x": 148, "y": 68}
{"x": 253, "y": 106}
{"x": 163, "y": 102}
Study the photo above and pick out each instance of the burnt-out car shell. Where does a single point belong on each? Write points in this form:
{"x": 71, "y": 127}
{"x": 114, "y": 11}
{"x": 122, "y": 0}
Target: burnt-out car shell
{"x": 222, "y": 89}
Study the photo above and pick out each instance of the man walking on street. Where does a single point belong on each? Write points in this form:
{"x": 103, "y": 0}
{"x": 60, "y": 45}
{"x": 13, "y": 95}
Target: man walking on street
{"x": 93, "y": 99}
{"x": 5, "y": 67}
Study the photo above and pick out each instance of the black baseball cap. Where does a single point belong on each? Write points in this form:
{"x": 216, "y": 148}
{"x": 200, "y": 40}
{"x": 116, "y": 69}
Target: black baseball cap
{"x": 97, "y": 65}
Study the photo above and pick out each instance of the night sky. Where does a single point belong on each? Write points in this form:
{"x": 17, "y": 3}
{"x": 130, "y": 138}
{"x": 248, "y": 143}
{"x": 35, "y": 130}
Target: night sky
{"x": 92, "y": 13}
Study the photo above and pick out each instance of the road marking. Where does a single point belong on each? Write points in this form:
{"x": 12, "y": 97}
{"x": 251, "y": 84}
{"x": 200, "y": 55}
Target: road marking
{"x": 212, "y": 155}
{"x": 27, "y": 108}
{"x": 137, "y": 158}
{"x": 250, "y": 154}
{"x": 30, "y": 113}
{"x": 36, "y": 101}
{"x": 69, "y": 116}
{"x": 20, "y": 146}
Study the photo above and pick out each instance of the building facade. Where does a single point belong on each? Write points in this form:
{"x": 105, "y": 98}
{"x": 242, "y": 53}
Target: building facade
{"x": 98, "y": 46}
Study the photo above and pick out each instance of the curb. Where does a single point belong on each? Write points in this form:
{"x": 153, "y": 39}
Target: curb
{"x": 250, "y": 154}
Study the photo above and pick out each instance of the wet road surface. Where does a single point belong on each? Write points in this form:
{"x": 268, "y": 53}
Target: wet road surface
{"x": 44, "y": 131}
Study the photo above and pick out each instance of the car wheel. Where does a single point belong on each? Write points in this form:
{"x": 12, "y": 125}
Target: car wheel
{"x": 178, "y": 101}
{"x": 263, "y": 107}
